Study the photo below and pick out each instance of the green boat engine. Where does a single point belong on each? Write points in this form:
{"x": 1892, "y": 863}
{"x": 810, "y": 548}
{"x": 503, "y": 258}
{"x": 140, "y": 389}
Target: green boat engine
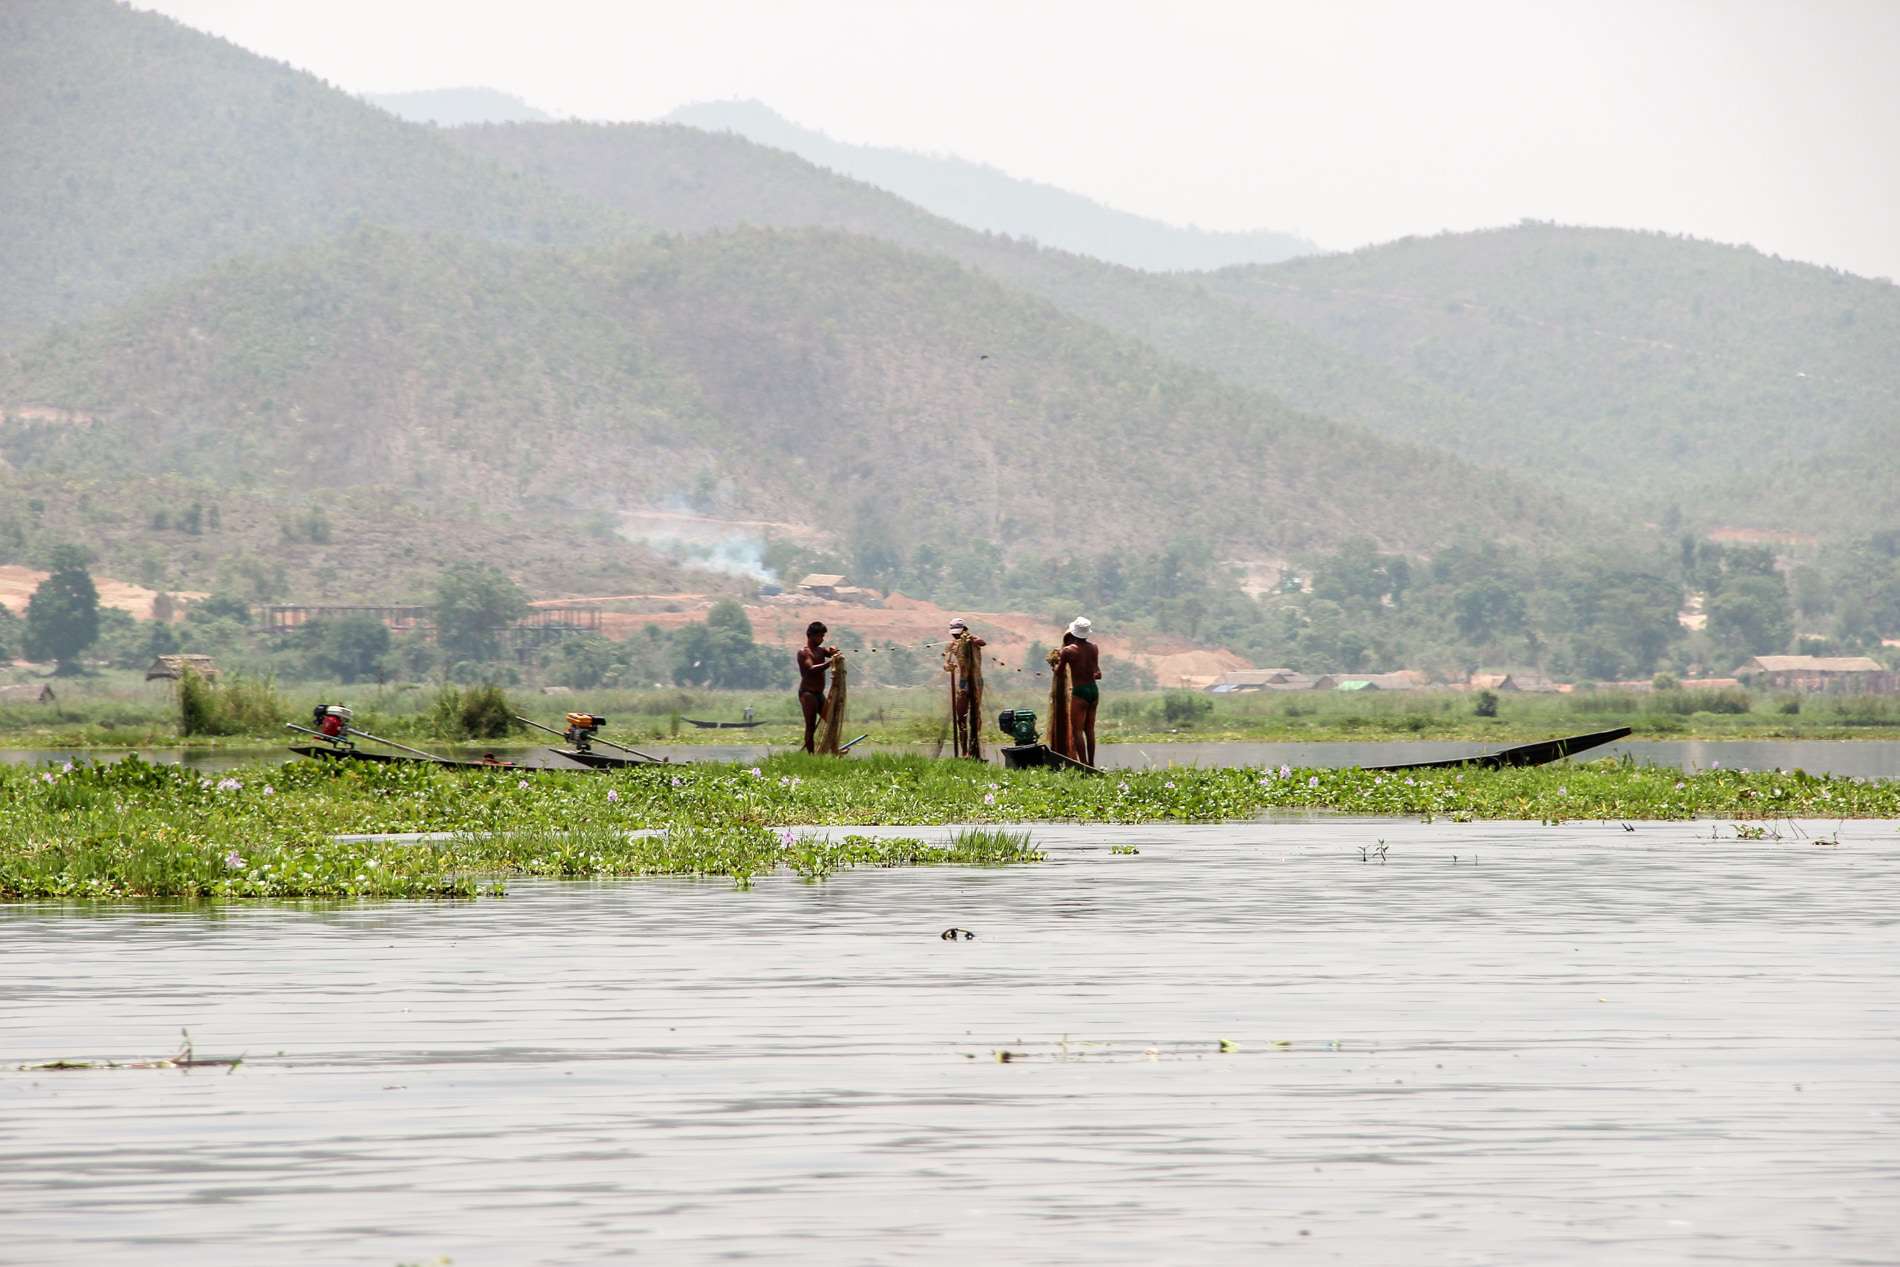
{"x": 1019, "y": 724}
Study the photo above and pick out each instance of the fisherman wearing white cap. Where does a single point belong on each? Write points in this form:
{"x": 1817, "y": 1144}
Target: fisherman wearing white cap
{"x": 963, "y": 661}
{"x": 1085, "y": 670}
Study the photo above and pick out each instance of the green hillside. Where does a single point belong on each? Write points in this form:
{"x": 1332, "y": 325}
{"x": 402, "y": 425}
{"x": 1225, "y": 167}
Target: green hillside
{"x": 136, "y": 150}
{"x": 688, "y": 181}
{"x": 1642, "y": 371}
{"x": 1739, "y": 388}
{"x": 798, "y": 376}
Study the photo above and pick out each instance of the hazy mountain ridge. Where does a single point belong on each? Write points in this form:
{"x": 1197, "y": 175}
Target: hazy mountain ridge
{"x": 137, "y": 150}
{"x": 1740, "y": 387}
{"x": 1508, "y": 347}
{"x": 453, "y": 107}
{"x": 990, "y": 200}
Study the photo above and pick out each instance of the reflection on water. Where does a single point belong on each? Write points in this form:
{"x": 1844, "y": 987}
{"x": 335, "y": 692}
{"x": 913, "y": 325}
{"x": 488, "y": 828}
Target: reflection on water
{"x": 1875, "y": 758}
{"x": 1507, "y": 1044}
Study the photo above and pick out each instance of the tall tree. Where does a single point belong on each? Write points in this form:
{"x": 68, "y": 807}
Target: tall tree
{"x": 1751, "y": 616}
{"x": 11, "y": 634}
{"x": 62, "y": 619}
{"x": 474, "y": 603}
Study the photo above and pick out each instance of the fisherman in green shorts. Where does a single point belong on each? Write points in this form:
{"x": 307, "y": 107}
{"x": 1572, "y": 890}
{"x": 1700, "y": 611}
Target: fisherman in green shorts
{"x": 1085, "y": 670}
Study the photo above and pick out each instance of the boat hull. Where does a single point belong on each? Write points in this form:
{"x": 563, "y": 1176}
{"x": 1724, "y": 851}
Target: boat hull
{"x": 1541, "y": 753}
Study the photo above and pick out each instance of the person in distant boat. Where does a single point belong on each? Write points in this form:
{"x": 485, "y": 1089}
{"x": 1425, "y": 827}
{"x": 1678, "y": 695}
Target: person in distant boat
{"x": 813, "y": 659}
{"x": 1085, "y": 671}
{"x": 963, "y": 661}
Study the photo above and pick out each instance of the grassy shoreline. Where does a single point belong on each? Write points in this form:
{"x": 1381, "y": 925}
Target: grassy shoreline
{"x": 115, "y": 711}
{"x": 136, "y": 830}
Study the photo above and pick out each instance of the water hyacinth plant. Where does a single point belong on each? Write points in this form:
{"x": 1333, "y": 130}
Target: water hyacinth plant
{"x": 136, "y": 829}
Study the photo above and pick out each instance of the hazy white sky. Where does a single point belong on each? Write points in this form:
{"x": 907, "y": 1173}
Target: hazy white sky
{"x": 1751, "y": 121}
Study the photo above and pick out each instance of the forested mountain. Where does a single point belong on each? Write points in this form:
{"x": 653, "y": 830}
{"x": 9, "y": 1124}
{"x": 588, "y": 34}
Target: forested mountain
{"x": 1574, "y": 358}
{"x": 136, "y": 150}
{"x": 689, "y": 181}
{"x": 1734, "y": 386}
{"x": 992, "y": 201}
{"x": 804, "y": 376}
{"x": 452, "y": 107}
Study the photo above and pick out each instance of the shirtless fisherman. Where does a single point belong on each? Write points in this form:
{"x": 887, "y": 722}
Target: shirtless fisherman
{"x": 813, "y": 659}
{"x": 1085, "y": 670}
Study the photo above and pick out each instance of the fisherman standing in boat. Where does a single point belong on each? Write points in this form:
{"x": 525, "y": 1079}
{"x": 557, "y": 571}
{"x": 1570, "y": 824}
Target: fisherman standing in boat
{"x": 963, "y": 661}
{"x": 813, "y": 659}
{"x": 1084, "y": 660}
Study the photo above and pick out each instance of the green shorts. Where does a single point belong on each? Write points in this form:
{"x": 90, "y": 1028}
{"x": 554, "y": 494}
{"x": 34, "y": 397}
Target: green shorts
{"x": 1087, "y": 692}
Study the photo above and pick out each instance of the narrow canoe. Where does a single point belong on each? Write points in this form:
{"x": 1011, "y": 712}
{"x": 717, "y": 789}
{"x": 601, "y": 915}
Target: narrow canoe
{"x": 1542, "y": 752}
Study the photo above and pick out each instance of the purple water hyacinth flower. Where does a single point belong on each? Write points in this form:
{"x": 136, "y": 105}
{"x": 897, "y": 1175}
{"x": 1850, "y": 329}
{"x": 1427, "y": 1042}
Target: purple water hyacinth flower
{"x": 756, "y": 773}
{"x": 989, "y": 798}
{"x": 234, "y": 861}
{"x": 787, "y": 839}
{"x": 230, "y": 785}
{"x": 1312, "y": 780}
{"x": 613, "y": 796}
{"x": 1286, "y": 771}
{"x": 269, "y": 790}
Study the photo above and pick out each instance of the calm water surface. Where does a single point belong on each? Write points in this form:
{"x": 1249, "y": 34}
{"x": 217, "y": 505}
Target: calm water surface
{"x": 1568, "y": 1045}
{"x": 1858, "y": 758}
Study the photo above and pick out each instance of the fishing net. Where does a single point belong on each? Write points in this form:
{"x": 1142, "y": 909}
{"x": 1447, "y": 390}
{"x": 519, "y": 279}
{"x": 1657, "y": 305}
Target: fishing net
{"x": 834, "y": 710}
{"x": 1059, "y": 740}
{"x": 964, "y": 660}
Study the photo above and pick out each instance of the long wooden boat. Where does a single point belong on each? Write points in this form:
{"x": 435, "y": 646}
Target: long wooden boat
{"x": 721, "y": 725}
{"x": 603, "y": 760}
{"x": 326, "y": 752}
{"x": 1542, "y": 752}
{"x": 1040, "y": 756}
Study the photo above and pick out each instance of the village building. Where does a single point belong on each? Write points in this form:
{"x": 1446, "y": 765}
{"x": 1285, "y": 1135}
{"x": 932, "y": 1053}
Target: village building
{"x": 1852, "y": 674}
{"x": 1516, "y": 680}
{"x": 1246, "y": 680}
{"x": 28, "y": 693}
{"x": 170, "y": 668}
{"x": 821, "y": 585}
{"x": 1397, "y": 680}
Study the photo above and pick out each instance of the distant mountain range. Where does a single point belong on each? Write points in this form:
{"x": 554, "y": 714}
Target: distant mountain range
{"x": 452, "y": 107}
{"x": 984, "y": 198}
{"x": 226, "y": 279}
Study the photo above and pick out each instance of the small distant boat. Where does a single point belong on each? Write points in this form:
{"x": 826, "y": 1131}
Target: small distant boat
{"x": 721, "y": 725}
{"x": 1541, "y": 753}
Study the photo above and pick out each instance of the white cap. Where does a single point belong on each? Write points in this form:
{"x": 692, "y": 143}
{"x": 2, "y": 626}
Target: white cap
{"x": 958, "y": 624}
{"x": 1080, "y": 626}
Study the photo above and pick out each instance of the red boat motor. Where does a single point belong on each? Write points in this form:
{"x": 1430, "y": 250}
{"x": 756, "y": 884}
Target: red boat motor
{"x": 332, "y": 721}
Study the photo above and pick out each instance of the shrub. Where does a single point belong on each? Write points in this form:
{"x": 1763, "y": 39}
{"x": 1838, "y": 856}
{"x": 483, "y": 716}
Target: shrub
{"x": 197, "y": 709}
{"x": 486, "y": 712}
{"x": 478, "y": 712}
{"x": 1487, "y": 705}
{"x": 1185, "y": 707}
{"x": 242, "y": 706}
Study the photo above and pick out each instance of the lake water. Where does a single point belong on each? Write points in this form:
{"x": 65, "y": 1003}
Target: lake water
{"x": 1873, "y": 758}
{"x": 1507, "y": 1044}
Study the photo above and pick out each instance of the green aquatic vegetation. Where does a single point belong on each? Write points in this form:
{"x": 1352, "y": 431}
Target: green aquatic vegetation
{"x": 135, "y": 829}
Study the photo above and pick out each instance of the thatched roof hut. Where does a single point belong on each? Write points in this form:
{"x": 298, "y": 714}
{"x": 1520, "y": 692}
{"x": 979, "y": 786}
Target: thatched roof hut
{"x": 169, "y": 668}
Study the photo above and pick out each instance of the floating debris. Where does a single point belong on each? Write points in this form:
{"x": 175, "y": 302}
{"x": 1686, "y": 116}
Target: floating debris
{"x": 184, "y": 1058}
